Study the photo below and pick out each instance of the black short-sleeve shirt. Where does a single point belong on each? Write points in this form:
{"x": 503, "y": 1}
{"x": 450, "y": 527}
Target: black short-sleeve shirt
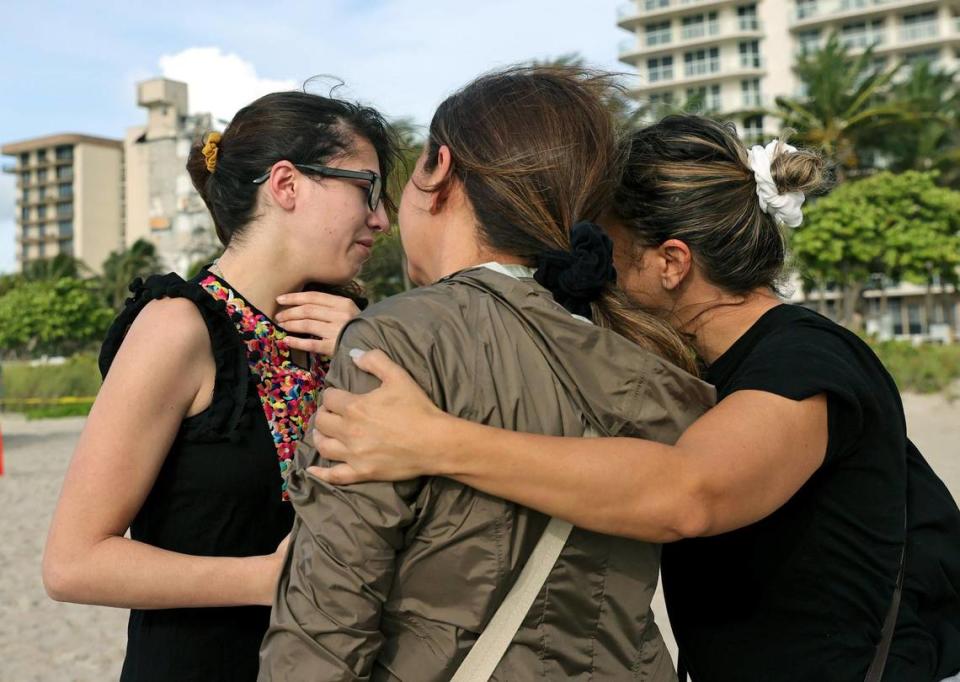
{"x": 802, "y": 594}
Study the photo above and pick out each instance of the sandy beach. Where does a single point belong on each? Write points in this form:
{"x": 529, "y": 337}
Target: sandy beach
{"x": 44, "y": 641}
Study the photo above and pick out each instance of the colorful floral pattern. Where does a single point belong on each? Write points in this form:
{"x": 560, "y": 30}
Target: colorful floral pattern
{"x": 287, "y": 391}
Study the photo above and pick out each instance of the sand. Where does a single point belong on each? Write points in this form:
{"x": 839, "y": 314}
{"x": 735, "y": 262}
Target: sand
{"x": 45, "y": 641}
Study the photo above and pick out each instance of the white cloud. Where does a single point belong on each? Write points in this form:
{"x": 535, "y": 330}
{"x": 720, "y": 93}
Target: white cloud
{"x": 219, "y": 82}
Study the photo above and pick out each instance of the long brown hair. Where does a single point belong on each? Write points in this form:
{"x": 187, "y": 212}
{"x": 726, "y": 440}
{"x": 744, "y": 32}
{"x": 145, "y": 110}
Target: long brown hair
{"x": 537, "y": 151}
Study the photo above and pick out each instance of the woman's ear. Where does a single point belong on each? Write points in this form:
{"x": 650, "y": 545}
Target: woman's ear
{"x": 283, "y": 183}
{"x": 442, "y": 178}
{"x": 675, "y": 262}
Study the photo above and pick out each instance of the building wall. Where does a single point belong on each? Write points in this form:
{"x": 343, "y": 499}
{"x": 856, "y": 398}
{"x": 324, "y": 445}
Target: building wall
{"x": 98, "y": 219}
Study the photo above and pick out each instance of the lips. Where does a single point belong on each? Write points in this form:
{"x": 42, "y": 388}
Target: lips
{"x": 366, "y": 242}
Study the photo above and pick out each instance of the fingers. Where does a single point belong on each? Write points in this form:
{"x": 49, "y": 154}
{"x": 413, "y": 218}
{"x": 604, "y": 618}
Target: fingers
{"x": 316, "y": 298}
{"x": 335, "y": 401}
{"x": 316, "y": 312}
{"x": 338, "y": 474}
{"x": 325, "y": 330}
{"x": 317, "y": 346}
{"x": 377, "y": 363}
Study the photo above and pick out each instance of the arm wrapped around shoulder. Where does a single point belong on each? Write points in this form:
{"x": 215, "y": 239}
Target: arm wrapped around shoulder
{"x": 339, "y": 570}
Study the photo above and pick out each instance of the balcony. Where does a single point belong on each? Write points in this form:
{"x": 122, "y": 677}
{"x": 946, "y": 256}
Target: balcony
{"x": 861, "y": 40}
{"x": 829, "y": 11}
{"x": 694, "y": 31}
{"x": 631, "y": 14}
{"x": 916, "y": 32}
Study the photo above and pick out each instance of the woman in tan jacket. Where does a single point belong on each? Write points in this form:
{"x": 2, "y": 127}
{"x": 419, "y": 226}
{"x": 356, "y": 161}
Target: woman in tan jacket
{"x": 395, "y": 581}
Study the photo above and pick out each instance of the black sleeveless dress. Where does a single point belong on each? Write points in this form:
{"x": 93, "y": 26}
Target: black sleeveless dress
{"x": 220, "y": 489}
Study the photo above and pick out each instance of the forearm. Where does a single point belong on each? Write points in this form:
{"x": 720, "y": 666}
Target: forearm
{"x": 618, "y": 486}
{"x": 124, "y": 573}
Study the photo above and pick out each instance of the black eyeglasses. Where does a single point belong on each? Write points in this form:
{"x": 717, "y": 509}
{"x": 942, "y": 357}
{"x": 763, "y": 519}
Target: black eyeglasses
{"x": 374, "y": 191}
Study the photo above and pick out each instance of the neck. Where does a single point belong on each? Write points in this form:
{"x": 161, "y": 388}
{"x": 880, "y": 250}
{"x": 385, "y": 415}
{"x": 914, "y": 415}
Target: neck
{"x": 460, "y": 248}
{"x": 259, "y": 275}
{"x": 716, "y": 321}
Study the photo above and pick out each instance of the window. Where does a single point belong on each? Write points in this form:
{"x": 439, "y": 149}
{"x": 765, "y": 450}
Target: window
{"x": 41, "y": 194}
{"x": 65, "y": 229}
{"x": 919, "y": 26}
{"x": 862, "y": 34}
{"x": 661, "y": 99}
{"x": 660, "y": 69}
{"x": 655, "y": 4}
{"x": 24, "y": 158}
{"x": 809, "y": 41}
{"x": 658, "y": 34}
{"x": 41, "y": 212}
{"x": 25, "y": 177}
{"x": 24, "y": 214}
{"x": 66, "y": 247}
{"x": 41, "y": 175}
{"x": 700, "y": 62}
{"x": 699, "y": 25}
{"x": 65, "y": 190}
{"x": 750, "y": 89}
{"x": 914, "y": 319}
{"x": 64, "y": 172}
{"x": 914, "y": 58}
{"x": 753, "y": 128}
{"x": 64, "y": 152}
{"x": 747, "y": 18}
{"x": 41, "y": 156}
{"x": 853, "y": 4}
{"x": 750, "y": 54}
{"x": 42, "y": 250}
{"x": 807, "y": 8}
{"x": 703, "y": 99}
{"x": 64, "y": 209}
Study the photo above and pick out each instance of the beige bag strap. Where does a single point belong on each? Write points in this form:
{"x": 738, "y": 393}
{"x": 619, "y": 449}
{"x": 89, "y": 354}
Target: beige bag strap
{"x": 485, "y": 655}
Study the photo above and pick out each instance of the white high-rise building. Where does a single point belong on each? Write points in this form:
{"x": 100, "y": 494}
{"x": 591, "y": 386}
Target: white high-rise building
{"x": 736, "y": 55}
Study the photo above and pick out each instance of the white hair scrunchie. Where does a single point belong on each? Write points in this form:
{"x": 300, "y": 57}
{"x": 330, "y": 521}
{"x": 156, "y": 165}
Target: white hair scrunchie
{"x": 782, "y": 207}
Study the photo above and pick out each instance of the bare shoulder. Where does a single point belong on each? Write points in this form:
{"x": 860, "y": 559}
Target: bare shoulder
{"x": 169, "y": 326}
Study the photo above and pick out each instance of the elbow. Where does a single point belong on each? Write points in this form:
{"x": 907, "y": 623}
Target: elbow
{"x": 60, "y": 578}
{"x": 56, "y": 580}
{"x": 694, "y": 514}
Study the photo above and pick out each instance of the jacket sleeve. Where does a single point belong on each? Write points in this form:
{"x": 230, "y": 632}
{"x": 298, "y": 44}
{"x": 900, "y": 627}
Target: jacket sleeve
{"x": 339, "y": 570}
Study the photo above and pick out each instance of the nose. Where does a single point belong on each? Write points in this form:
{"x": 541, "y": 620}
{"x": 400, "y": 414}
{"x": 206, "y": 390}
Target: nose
{"x": 378, "y": 221}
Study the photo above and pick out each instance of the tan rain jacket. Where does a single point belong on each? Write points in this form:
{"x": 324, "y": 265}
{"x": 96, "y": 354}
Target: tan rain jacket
{"x": 394, "y": 581}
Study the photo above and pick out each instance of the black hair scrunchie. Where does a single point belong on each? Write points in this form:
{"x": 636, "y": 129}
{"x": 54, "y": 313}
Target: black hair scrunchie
{"x": 578, "y": 276}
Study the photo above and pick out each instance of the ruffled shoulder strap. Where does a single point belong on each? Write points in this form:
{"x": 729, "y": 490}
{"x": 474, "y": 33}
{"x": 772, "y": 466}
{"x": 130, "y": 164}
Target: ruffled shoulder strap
{"x": 230, "y": 388}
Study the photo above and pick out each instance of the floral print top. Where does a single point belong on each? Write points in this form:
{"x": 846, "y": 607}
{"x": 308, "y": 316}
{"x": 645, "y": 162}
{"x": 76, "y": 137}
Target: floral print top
{"x": 288, "y": 392}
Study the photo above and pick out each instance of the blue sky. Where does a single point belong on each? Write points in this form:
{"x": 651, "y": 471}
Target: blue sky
{"x": 71, "y": 66}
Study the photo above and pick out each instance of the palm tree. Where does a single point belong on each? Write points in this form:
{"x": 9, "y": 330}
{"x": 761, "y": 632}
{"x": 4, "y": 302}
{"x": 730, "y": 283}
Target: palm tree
{"x": 847, "y": 102}
{"x": 61, "y": 265}
{"x": 933, "y": 146}
{"x": 122, "y": 267}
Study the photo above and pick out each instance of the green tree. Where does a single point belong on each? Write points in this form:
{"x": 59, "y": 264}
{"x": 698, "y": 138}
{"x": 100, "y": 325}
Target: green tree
{"x": 122, "y": 267}
{"x": 61, "y": 265}
{"x": 934, "y": 145}
{"x": 895, "y": 226}
{"x": 53, "y": 317}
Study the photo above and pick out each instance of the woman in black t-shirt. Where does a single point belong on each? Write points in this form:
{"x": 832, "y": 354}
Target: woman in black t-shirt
{"x": 786, "y": 504}
{"x": 205, "y": 397}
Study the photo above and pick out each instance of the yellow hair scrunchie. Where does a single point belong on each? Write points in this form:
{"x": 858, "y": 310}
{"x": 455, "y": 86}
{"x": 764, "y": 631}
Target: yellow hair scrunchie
{"x": 210, "y": 150}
